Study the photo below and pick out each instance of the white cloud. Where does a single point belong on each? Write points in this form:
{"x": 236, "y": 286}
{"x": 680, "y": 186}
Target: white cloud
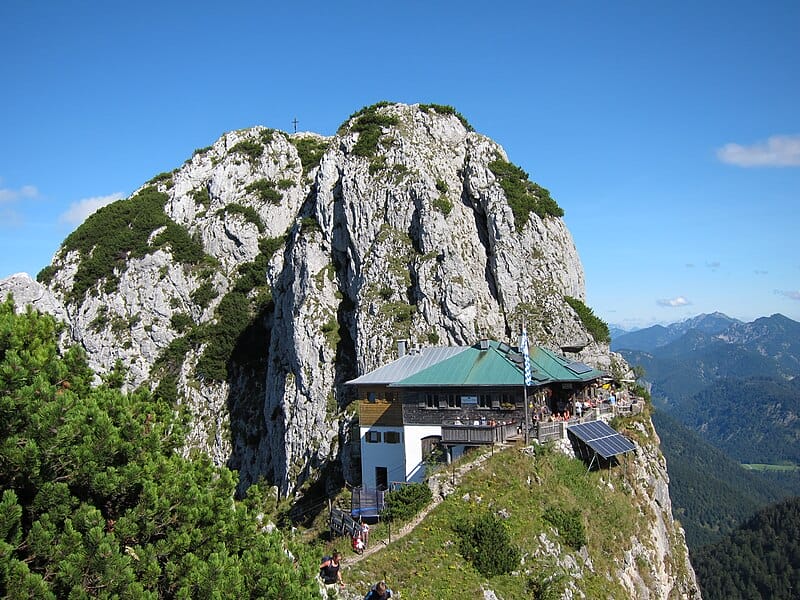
{"x": 78, "y": 211}
{"x": 713, "y": 265}
{"x": 777, "y": 151}
{"x": 673, "y": 302}
{"x": 26, "y": 191}
{"x": 791, "y": 294}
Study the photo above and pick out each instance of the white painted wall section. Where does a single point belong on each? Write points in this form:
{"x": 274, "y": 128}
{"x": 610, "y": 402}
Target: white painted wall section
{"x": 415, "y": 468}
{"x": 381, "y": 454}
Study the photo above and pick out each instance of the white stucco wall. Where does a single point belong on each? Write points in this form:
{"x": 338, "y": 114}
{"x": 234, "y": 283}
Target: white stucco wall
{"x": 415, "y": 469}
{"x": 381, "y": 454}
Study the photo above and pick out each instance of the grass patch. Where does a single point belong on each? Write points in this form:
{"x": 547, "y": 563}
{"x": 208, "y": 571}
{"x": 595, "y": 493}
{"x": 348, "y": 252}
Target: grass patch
{"x": 427, "y": 564}
{"x": 265, "y": 191}
{"x": 252, "y": 150}
{"x": 594, "y": 324}
{"x": 369, "y": 124}
{"x": 201, "y": 196}
{"x": 443, "y": 205}
{"x": 248, "y": 212}
{"x": 122, "y": 231}
{"x": 310, "y": 150}
{"x": 444, "y": 109}
{"x": 523, "y": 195}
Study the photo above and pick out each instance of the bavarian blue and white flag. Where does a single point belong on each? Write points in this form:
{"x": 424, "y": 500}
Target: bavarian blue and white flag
{"x": 526, "y": 360}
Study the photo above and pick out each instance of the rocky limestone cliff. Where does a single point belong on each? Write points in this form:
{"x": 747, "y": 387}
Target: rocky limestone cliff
{"x": 255, "y": 279}
{"x": 655, "y": 563}
{"x": 270, "y": 268}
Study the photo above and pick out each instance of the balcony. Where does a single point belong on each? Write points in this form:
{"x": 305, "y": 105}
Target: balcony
{"x": 486, "y": 433}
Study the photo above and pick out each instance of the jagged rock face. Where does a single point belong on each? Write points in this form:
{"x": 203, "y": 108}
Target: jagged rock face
{"x": 414, "y": 240}
{"x": 655, "y": 564}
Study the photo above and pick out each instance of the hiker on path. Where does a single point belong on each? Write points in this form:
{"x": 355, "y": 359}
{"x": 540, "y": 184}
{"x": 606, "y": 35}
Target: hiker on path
{"x": 330, "y": 570}
{"x": 380, "y": 591}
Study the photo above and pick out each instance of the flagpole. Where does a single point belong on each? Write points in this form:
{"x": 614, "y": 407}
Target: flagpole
{"x": 525, "y": 378}
{"x": 527, "y": 416}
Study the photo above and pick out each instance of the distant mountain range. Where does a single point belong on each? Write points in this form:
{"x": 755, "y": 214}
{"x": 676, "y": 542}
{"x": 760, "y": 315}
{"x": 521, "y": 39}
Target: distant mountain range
{"x": 682, "y": 359}
{"x": 651, "y": 338}
{"x": 726, "y": 392}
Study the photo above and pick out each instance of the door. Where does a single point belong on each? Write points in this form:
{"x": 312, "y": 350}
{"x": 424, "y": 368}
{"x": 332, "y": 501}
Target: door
{"x": 381, "y": 478}
{"x": 432, "y": 449}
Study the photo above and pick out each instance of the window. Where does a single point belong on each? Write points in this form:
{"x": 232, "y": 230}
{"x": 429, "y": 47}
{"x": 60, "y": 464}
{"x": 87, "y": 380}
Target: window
{"x": 432, "y": 400}
{"x": 453, "y": 401}
{"x": 373, "y": 437}
{"x": 391, "y": 437}
{"x": 371, "y": 397}
{"x": 507, "y": 401}
{"x": 484, "y": 401}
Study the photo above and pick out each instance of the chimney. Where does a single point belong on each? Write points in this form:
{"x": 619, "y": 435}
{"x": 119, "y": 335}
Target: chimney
{"x": 484, "y": 344}
{"x": 402, "y": 348}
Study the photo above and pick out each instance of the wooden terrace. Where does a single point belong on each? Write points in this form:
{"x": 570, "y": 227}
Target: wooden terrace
{"x": 477, "y": 433}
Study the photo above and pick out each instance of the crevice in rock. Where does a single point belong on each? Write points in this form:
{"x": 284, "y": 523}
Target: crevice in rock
{"x": 247, "y": 368}
{"x": 482, "y": 228}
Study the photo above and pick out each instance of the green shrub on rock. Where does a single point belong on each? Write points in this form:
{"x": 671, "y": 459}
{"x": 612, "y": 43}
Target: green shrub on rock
{"x": 486, "y": 543}
{"x": 405, "y": 502}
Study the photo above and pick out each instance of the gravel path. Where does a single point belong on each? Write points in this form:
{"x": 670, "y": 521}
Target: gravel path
{"x": 441, "y": 485}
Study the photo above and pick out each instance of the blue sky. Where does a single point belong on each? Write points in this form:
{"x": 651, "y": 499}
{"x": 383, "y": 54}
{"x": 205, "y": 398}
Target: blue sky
{"x": 669, "y": 132}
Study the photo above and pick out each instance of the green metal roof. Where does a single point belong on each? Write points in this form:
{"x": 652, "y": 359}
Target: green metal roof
{"x": 472, "y": 367}
{"x": 498, "y": 365}
{"x": 560, "y": 368}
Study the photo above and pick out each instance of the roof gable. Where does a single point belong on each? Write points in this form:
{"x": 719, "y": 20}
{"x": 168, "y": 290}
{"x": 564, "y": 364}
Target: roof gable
{"x": 560, "y": 368}
{"x": 497, "y": 365}
{"x": 472, "y": 367}
{"x": 407, "y": 365}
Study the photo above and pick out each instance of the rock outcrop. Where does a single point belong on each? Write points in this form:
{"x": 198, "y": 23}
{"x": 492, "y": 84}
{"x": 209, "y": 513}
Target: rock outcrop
{"x": 270, "y": 268}
{"x": 252, "y": 281}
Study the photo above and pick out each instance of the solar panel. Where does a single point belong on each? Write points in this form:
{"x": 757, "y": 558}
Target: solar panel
{"x": 601, "y": 438}
{"x": 579, "y": 367}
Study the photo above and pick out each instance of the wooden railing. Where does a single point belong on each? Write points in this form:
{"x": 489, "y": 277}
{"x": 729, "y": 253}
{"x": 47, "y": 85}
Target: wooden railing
{"x": 477, "y": 434}
{"x": 546, "y": 431}
{"x": 366, "y": 502}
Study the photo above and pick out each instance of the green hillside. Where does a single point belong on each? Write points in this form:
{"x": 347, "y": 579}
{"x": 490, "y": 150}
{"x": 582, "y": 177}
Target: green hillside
{"x": 760, "y": 559}
{"x": 712, "y": 494}
{"x": 752, "y": 420}
{"x": 544, "y": 496}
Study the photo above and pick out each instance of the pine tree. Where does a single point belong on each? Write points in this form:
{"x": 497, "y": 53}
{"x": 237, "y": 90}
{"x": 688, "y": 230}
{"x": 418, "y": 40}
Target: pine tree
{"x": 97, "y": 501}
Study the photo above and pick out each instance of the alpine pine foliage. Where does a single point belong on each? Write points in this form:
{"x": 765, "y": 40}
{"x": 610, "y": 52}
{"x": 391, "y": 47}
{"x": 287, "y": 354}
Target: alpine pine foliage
{"x": 96, "y": 502}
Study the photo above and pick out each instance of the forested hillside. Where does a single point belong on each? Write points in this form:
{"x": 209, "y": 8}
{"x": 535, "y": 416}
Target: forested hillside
{"x": 687, "y": 366}
{"x": 711, "y": 493}
{"x": 761, "y": 559}
{"x": 752, "y": 420}
{"x": 96, "y": 501}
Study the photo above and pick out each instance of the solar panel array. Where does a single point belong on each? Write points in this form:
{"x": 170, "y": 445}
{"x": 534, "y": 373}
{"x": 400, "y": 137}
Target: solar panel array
{"x": 579, "y": 368}
{"x": 601, "y": 438}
